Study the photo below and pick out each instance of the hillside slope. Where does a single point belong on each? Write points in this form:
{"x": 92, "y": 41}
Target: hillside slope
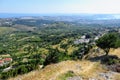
{"x": 85, "y": 69}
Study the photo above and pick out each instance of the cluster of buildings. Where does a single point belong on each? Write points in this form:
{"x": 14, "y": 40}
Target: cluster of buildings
{"x": 83, "y": 39}
{"x": 91, "y": 39}
{"x": 5, "y": 61}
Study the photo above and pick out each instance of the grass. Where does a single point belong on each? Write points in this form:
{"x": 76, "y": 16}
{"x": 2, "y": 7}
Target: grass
{"x": 4, "y": 55}
{"x": 65, "y": 69}
{"x": 71, "y": 49}
{"x": 6, "y": 30}
{"x": 43, "y": 51}
{"x": 115, "y": 52}
{"x": 92, "y": 70}
{"x": 65, "y": 41}
{"x": 60, "y": 71}
{"x": 66, "y": 75}
{"x": 58, "y": 46}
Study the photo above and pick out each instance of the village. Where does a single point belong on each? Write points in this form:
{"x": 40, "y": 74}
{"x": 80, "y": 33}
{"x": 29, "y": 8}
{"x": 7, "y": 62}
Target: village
{"x": 88, "y": 39}
{"x": 5, "y": 61}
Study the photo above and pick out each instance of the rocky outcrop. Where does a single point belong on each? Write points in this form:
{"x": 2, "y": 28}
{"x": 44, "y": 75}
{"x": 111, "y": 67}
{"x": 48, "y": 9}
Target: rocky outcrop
{"x": 115, "y": 68}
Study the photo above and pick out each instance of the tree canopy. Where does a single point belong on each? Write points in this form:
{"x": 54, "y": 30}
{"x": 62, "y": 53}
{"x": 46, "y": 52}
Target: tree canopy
{"x": 107, "y": 41}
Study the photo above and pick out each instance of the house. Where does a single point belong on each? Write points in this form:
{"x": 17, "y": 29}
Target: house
{"x": 83, "y": 37}
{"x": 96, "y": 38}
{"x": 119, "y": 31}
{"x": 7, "y": 69}
{"x": 1, "y": 62}
{"x": 82, "y": 41}
{"x": 7, "y": 60}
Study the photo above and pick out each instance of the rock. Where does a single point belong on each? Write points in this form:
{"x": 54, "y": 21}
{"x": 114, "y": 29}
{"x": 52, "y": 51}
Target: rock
{"x": 40, "y": 66}
{"x": 114, "y": 67}
{"x": 118, "y": 68}
{"x": 19, "y": 79}
{"x": 75, "y": 78}
{"x": 107, "y": 76}
{"x": 92, "y": 79}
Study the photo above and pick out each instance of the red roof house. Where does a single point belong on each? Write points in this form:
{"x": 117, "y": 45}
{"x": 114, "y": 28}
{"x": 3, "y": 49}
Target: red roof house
{"x": 1, "y": 62}
{"x": 7, "y": 59}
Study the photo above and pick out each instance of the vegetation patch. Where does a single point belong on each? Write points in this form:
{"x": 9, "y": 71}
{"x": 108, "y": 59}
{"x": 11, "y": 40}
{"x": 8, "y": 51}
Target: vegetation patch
{"x": 66, "y": 75}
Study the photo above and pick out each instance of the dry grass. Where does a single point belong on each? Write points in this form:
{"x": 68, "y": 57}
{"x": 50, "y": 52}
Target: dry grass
{"x": 5, "y": 55}
{"x": 65, "y": 41}
{"x": 117, "y": 77}
{"x": 43, "y": 51}
{"x": 86, "y": 69}
{"x": 58, "y": 46}
{"x": 53, "y": 71}
{"x": 71, "y": 49}
{"x": 115, "y": 52}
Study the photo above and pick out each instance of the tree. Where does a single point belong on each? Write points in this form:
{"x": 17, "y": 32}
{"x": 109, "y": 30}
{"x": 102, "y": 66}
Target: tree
{"x": 118, "y": 43}
{"x": 52, "y": 57}
{"x": 55, "y": 56}
{"x": 107, "y": 41}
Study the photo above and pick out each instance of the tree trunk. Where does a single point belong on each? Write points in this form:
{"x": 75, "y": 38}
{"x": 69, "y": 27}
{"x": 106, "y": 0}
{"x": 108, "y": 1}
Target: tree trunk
{"x": 106, "y": 54}
{"x": 107, "y": 51}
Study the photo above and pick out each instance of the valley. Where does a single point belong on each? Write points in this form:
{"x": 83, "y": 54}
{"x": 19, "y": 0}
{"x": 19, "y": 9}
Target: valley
{"x": 41, "y": 49}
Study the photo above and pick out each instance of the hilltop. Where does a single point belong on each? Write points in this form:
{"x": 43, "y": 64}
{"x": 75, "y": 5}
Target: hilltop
{"x": 73, "y": 70}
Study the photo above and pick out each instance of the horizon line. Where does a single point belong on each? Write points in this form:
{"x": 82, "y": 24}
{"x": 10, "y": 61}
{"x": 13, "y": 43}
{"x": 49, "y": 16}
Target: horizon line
{"x": 56, "y": 13}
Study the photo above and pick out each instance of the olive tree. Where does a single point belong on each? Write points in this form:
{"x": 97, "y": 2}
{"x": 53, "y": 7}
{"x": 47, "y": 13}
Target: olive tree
{"x": 107, "y": 41}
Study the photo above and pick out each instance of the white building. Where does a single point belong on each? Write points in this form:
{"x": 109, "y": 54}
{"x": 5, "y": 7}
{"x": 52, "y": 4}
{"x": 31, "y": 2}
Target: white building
{"x": 81, "y": 41}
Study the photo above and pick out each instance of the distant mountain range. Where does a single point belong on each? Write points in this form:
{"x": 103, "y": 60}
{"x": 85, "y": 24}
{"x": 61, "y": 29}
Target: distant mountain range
{"x": 66, "y": 16}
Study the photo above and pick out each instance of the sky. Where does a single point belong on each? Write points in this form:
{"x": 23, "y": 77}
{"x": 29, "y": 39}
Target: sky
{"x": 60, "y": 6}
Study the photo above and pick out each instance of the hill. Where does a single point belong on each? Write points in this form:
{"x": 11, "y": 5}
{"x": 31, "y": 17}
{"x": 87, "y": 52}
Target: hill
{"x": 73, "y": 70}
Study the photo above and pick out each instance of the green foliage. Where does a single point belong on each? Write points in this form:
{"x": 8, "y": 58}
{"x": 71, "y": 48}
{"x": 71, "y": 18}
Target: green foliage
{"x": 117, "y": 44}
{"x": 55, "y": 56}
{"x": 26, "y": 47}
{"x": 107, "y": 41}
{"x": 21, "y": 69}
{"x": 82, "y": 50}
{"x": 66, "y": 75}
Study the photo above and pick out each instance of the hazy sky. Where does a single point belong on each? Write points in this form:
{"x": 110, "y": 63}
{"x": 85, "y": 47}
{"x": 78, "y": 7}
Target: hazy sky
{"x": 59, "y": 6}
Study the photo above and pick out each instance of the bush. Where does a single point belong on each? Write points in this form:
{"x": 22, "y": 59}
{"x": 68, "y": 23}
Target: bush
{"x": 21, "y": 69}
{"x": 110, "y": 60}
{"x": 55, "y": 56}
